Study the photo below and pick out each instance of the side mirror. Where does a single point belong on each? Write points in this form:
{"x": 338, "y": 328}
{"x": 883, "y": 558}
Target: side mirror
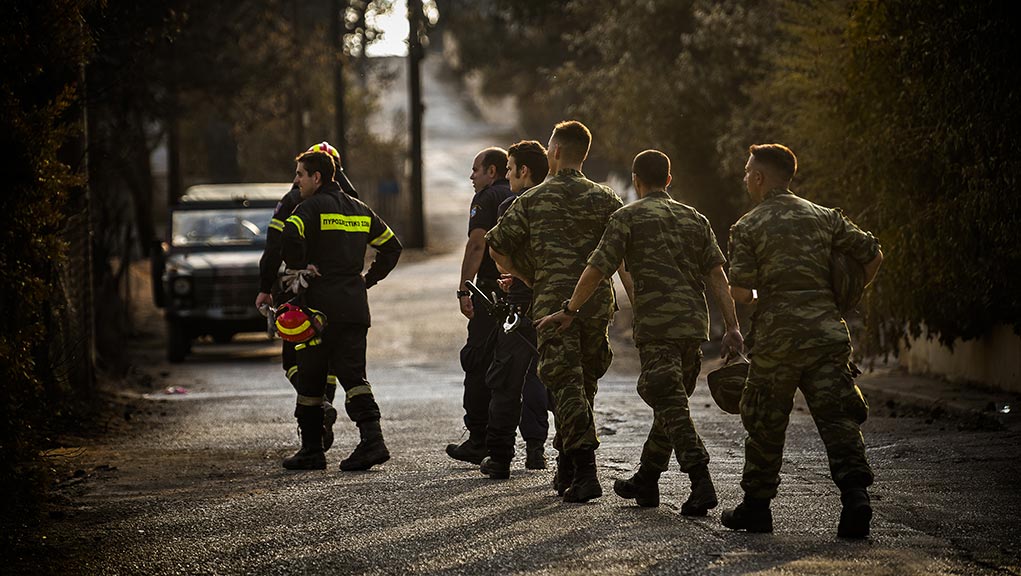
{"x": 158, "y": 262}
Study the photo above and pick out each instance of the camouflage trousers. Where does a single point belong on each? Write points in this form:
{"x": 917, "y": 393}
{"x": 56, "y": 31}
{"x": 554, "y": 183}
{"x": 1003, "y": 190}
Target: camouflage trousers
{"x": 570, "y": 365}
{"x": 835, "y": 402}
{"x": 669, "y": 371}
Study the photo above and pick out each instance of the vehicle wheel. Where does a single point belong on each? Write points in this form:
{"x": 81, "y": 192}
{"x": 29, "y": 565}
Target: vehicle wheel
{"x": 178, "y": 342}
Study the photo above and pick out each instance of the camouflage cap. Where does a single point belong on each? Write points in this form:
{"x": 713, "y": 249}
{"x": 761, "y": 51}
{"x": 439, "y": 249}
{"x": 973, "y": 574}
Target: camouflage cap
{"x": 726, "y": 384}
{"x": 848, "y": 280}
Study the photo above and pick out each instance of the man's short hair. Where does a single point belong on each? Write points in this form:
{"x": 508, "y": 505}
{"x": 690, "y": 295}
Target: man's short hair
{"x": 652, "y": 167}
{"x": 776, "y": 156}
{"x": 495, "y": 157}
{"x": 320, "y": 162}
{"x": 532, "y": 154}
{"x": 574, "y": 139}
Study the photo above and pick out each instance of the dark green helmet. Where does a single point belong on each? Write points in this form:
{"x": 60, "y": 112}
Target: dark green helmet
{"x": 727, "y": 382}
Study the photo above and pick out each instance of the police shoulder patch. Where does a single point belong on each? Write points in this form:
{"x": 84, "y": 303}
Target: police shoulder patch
{"x": 475, "y": 210}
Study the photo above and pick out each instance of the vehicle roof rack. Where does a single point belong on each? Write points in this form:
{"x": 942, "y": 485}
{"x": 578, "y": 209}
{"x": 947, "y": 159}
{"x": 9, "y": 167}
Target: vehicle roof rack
{"x": 237, "y": 193}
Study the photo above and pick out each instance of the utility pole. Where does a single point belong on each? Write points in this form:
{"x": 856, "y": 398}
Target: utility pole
{"x": 416, "y": 238}
{"x": 338, "y": 30}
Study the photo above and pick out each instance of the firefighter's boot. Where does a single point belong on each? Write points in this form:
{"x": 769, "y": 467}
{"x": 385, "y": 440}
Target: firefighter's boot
{"x": 370, "y": 451}
{"x": 643, "y": 487}
{"x": 535, "y": 455}
{"x": 856, "y": 514}
{"x": 753, "y": 515}
{"x": 703, "y": 493}
{"x": 585, "y": 486}
{"x": 329, "y": 418}
{"x": 311, "y": 455}
{"x": 472, "y": 450}
{"x": 564, "y": 475}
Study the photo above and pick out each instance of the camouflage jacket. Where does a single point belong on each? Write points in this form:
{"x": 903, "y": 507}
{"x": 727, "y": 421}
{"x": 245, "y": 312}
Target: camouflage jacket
{"x": 549, "y": 231}
{"x": 781, "y": 248}
{"x": 668, "y": 247}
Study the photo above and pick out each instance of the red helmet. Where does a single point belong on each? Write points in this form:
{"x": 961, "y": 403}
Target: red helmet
{"x": 299, "y": 324}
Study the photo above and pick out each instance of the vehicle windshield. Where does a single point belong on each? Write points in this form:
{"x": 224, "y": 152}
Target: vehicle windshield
{"x": 234, "y": 227}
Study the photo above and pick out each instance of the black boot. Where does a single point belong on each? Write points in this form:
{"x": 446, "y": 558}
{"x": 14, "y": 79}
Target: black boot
{"x": 753, "y": 515}
{"x": 329, "y": 418}
{"x": 310, "y": 456}
{"x": 585, "y": 486}
{"x": 643, "y": 487}
{"x": 495, "y": 469}
{"x": 370, "y": 451}
{"x": 856, "y": 514}
{"x": 535, "y": 455}
{"x": 472, "y": 450}
{"x": 564, "y": 475}
{"x": 703, "y": 493}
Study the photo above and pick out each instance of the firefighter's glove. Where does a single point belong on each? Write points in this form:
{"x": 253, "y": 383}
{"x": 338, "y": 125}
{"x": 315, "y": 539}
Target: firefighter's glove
{"x": 296, "y": 281}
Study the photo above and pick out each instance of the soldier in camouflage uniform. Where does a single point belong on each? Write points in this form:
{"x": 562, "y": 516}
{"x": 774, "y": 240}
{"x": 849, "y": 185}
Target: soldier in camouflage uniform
{"x": 781, "y": 248}
{"x": 670, "y": 251}
{"x": 544, "y": 238}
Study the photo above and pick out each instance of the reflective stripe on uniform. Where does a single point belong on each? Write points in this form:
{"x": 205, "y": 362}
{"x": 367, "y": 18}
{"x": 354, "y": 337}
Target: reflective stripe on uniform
{"x": 276, "y": 224}
{"x": 382, "y": 238}
{"x": 299, "y": 223}
{"x": 310, "y": 400}
{"x": 345, "y": 223}
{"x": 331, "y": 379}
{"x": 358, "y": 391}
{"x": 291, "y": 372}
{"x": 309, "y": 344}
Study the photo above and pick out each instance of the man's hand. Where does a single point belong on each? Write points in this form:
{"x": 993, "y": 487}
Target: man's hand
{"x": 264, "y": 299}
{"x": 314, "y": 270}
{"x": 505, "y": 282}
{"x": 467, "y": 308}
{"x": 559, "y": 320}
{"x": 733, "y": 343}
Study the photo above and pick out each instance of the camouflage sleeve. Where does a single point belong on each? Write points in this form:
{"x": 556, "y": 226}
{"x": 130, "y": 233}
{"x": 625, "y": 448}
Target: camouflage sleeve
{"x": 851, "y": 240}
{"x": 743, "y": 268}
{"x": 712, "y": 256}
{"x": 608, "y": 254}
{"x": 510, "y": 235}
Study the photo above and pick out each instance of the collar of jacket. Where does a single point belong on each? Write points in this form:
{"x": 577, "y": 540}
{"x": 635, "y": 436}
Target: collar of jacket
{"x": 569, "y": 173}
{"x": 330, "y": 186}
{"x": 658, "y": 194}
{"x": 777, "y": 192}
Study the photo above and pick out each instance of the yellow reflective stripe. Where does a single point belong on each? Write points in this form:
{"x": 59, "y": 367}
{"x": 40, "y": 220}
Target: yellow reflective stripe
{"x": 331, "y": 379}
{"x": 310, "y": 400}
{"x": 382, "y": 238}
{"x": 358, "y": 391}
{"x": 344, "y": 223}
{"x": 297, "y": 221}
{"x": 276, "y": 224}
{"x": 309, "y": 344}
{"x": 291, "y": 372}
{"x": 292, "y": 331}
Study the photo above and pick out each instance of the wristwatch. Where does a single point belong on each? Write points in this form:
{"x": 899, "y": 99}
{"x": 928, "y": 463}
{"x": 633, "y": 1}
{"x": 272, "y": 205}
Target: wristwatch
{"x": 463, "y": 293}
{"x": 566, "y": 309}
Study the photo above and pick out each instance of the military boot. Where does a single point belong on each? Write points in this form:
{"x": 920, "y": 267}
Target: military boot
{"x": 564, "y": 475}
{"x": 856, "y": 514}
{"x": 495, "y": 469}
{"x": 642, "y": 487}
{"x": 311, "y": 455}
{"x": 535, "y": 455}
{"x": 753, "y": 515}
{"x": 371, "y": 450}
{"x": 472, "y": 450}
{"x": 329, "y": 418}
{"x": 703, "y": 493}
{"x": 585, "y": 486}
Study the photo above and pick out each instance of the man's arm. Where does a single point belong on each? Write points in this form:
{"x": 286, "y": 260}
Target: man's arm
{"x": 733, "y": 341}
{"x": 388, "y": 251}
{"x": 505, "y": 264}
{"x": 872, "y": 268}
{"x": 741, "y": 295}
{"x": 628, "y": 282}
{"x": 473, "y": 252}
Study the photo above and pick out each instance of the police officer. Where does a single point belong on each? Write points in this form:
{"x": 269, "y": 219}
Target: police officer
{"x": 518, "y": 397}
{"x": 488, "y": 177}
{"x": 544, "y": 239}
{"x": 782, "y": 249}
{"x": 328, "y": 234}
{"x": 270, "y": 292}
{"x": 671, "y": 252}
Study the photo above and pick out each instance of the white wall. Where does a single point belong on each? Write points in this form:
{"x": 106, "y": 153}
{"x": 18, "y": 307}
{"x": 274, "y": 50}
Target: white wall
{"x": 994, "y": 360}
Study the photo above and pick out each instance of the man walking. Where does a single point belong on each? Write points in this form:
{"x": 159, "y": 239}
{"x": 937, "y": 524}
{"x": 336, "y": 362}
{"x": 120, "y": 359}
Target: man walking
{"x": 512, "y": 377}
{"x": 488, "y": 176}
{"x": 782, "y": 248}
{"x": 328, "y": 234}
{"x": 671, "y": 252}
{"x": 544, "y": 239}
